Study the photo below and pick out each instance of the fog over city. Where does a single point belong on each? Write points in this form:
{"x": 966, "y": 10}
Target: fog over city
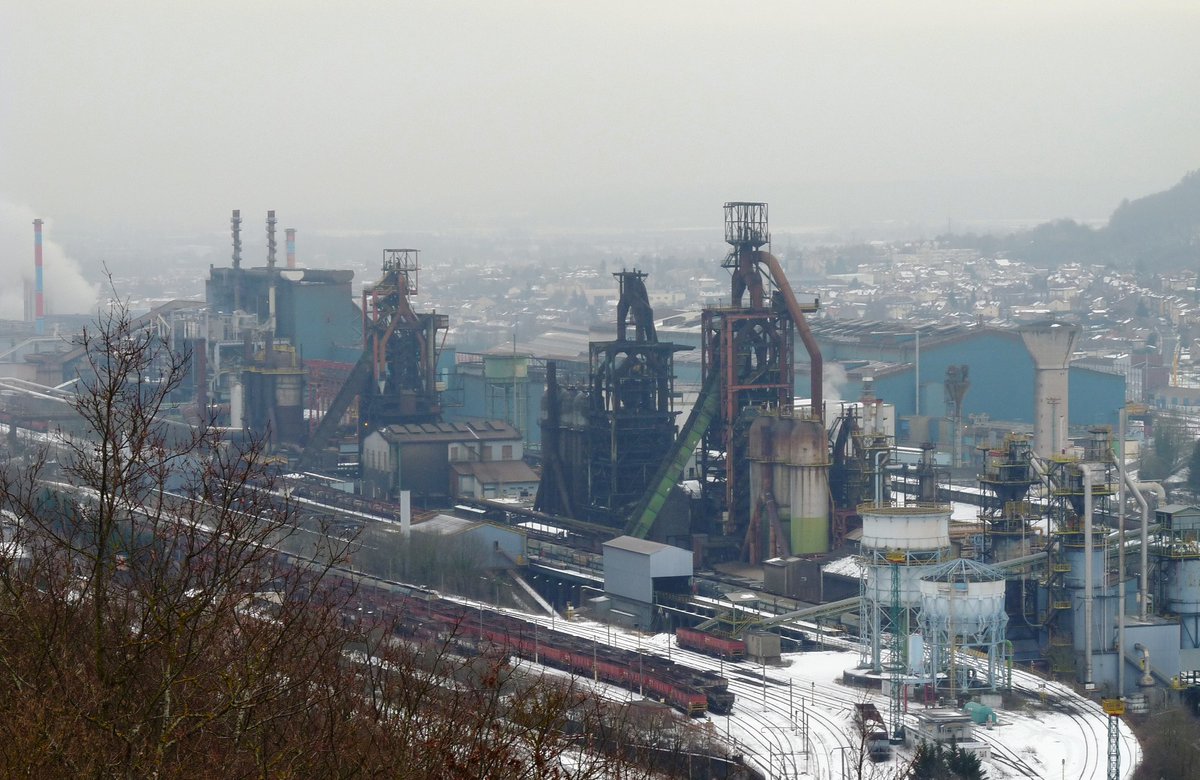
{"x": 524, "y": 389}
{"x": 457, "y": 116}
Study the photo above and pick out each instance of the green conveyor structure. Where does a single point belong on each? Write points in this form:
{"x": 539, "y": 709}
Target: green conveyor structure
{"x": 642, "y": 518}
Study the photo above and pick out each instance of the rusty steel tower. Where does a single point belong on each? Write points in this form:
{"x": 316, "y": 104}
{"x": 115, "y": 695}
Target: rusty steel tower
{"x": 402, "y": 347}
{"x": 395, "y": 379}
{"x": 747, "y": 360}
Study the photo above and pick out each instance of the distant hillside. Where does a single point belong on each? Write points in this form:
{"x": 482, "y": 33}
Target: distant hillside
{"x": 1156, "y": 232}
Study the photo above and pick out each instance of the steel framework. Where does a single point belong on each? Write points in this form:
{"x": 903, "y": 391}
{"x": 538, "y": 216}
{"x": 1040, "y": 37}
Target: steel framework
{"x": 1066, "y": 509}
{"x": 750, "y": 349}
{"x": 1114, "y": 709}
{"x": 402, "y": 347}
{"x": 631, "y": 423}
{"x": 881, "y": 624}
{"x": 751, "y": 352}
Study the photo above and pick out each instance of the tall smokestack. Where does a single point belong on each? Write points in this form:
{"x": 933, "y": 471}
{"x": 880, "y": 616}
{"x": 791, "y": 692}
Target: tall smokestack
{"x": 291, "y": 247}
{"x": 235, "y": 228}
{"x": 39, "y": 303}
{"x": 269, "y": 343}
{"x": 271, "y": 239}
{"x": 1050, "y": 344}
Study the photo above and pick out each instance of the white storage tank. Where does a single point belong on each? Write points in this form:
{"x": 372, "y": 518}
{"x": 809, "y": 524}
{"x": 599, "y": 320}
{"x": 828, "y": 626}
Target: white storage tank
{"x": 912, "y": 527}
{"x": 962, "y": 609}
{"x": 918, "y": 534}
{"x": 789, "y": 460}
{"x": 967, "y": 605}
{"x": 899, "y": 544}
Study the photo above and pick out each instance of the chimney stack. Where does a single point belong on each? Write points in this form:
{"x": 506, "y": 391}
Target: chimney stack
{"x": 271, "y": 239}
{"x": 291, "y": 247}
{"x": 39, "y": 304}
{"x": 235, "y": 225}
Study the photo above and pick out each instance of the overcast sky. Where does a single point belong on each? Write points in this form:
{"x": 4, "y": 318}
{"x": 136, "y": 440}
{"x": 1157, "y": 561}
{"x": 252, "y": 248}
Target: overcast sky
{"x": 443, "y": 114}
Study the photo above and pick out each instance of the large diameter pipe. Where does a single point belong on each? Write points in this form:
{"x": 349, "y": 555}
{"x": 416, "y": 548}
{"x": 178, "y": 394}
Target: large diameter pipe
{"x": 806, "y": 335}
{"x": 1147, "y": 678}
{"x": 1088, "y": 476}
{"x": 1139, "y": 488}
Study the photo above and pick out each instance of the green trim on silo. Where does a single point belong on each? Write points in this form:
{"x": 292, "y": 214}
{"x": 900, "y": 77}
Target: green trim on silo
{"x": 809, "y": 535}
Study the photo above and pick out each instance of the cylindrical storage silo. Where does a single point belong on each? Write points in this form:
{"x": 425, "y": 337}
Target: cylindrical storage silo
{"x": 919, "y": 533}
{"x": 899, "y": 544}
{"x": 962, "y": 609}
{"x": 789, "y": 465}
{"x": 966, "y": 608}
{"x": 289, "y": 406}
{"x": 1182, "y": 586}
{"x": 1076, "y": 558}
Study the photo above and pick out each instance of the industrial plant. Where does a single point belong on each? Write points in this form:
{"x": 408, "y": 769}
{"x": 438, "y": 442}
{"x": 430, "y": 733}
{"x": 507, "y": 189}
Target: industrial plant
{"x": 692, "y": 473}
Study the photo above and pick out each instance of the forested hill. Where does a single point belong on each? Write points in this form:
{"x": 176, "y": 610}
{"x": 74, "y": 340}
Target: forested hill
{"x": 1155, "y": 232}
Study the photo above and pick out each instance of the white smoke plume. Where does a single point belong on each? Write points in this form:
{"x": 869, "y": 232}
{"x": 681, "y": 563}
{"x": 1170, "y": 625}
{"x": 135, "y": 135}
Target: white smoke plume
{"x": 66, "y": 289}
{"x": 835, "y": 380}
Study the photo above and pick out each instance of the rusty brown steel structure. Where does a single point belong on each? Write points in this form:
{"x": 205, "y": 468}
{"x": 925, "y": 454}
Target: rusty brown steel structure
{"x": 749, "y": 347}
{"x": 402, "y": 347}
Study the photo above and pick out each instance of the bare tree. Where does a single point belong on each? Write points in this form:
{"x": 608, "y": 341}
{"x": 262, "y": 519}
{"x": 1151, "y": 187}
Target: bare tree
{"x": 154, "y": 624}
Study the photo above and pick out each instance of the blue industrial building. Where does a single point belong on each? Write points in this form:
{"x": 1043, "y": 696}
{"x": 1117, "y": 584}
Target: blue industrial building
{"x": 502, "y": 386}
{"x": 314, "y": 309}
{"x": 1000, "y": 371}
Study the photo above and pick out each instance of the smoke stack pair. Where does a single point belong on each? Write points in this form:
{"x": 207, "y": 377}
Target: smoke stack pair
{"x": 235, "y": 224}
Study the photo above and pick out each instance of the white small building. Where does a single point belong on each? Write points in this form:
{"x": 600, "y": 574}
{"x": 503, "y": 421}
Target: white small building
{"x": 943, "y": 726}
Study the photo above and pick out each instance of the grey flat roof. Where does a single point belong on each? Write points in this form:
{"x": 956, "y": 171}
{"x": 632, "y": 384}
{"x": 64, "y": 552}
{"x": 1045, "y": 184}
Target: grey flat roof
{"x": 634, "y": 545}
{"x": 444, "y": 525}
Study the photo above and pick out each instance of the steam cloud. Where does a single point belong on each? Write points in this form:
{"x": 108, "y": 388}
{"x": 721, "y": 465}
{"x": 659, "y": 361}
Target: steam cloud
{"x": 835, "y": 381}
{"x": 66, "y": 289}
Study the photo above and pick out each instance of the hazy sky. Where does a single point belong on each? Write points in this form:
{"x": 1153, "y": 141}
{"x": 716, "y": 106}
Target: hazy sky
{"x": 443, "y": 114}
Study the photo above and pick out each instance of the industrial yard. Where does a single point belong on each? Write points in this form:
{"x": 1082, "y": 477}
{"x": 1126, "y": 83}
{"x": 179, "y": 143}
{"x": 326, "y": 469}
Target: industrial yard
{"x": 823, "y": 592}
{"x": 801, "y": 722}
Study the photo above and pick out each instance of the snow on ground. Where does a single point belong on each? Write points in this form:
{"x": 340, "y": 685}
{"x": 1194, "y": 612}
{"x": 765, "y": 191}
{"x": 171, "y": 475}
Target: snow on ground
{"x": 798, "y": 722}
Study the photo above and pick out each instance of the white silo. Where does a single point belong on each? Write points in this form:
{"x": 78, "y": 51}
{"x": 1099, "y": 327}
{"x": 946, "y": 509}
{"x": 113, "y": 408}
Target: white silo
{"x": 899, "y": 544}
{"x": 962, "y": 609}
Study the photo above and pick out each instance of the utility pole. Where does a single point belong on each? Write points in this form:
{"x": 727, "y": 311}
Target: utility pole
{"x": 1114, "y": 709}
{"x": 895, "y": 665}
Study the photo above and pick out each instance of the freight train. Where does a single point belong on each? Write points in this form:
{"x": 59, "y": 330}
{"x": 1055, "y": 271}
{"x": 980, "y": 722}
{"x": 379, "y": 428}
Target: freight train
{"x": 425, "y": 614}
{"x": 702, "y": 642}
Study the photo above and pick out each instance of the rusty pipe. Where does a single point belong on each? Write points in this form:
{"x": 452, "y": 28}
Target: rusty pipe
{"x": 806, "y": 335}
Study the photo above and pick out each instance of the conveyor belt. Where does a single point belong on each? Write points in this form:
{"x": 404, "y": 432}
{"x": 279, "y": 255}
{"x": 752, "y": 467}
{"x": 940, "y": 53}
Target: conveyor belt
{"x": 643, "y": 517}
